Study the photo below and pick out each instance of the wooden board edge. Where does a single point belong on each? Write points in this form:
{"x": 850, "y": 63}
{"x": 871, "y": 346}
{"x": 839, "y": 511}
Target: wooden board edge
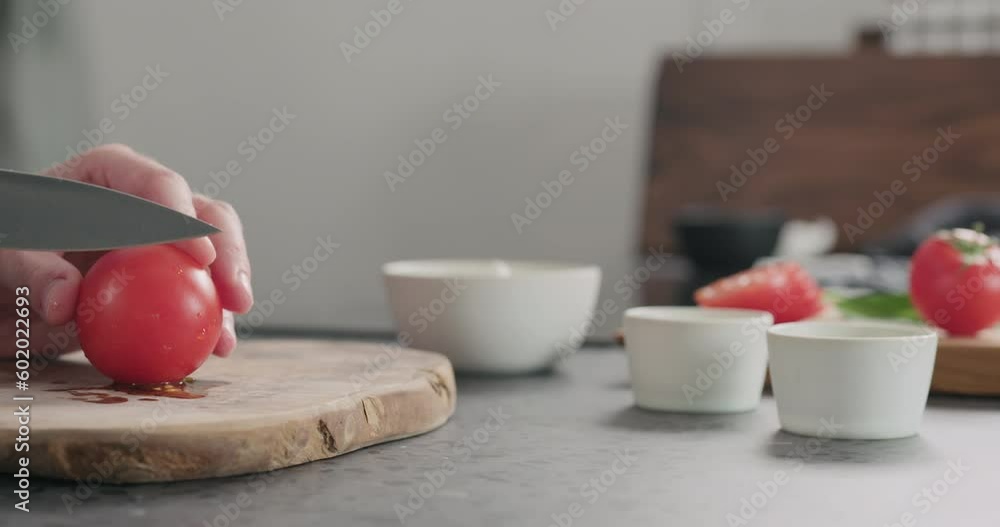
{"x": 422, "y": 405}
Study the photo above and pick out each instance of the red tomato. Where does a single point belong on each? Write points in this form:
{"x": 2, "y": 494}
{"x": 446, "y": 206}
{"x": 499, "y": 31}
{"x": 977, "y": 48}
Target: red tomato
{"x": 955, "y": 281}
{"x": 785, "y": 289}
{"x": 148, "y": 315}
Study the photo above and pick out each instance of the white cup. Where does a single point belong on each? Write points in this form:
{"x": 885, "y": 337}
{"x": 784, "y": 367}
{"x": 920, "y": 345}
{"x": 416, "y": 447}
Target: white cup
{"x": 493, "y": 316}
{"x": 851, "y": 380}
{"x": 699, "y": 360}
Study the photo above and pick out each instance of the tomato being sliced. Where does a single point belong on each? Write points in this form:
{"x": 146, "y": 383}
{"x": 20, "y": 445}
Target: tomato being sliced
{"x": 148, "y": 315}
{"x": 784, "y": 289}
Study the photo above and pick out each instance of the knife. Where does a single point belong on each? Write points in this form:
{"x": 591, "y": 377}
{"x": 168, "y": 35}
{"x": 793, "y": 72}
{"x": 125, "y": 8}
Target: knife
{"x": 41, "y": 213}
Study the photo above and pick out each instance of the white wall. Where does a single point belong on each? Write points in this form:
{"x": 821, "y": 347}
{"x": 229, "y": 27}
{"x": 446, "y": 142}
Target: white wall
{"x": 324, "y": 173}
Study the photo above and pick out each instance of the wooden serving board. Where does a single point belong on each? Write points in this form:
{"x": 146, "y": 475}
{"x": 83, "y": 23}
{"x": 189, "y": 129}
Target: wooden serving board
{"x": 968, "y": 366}
{"x": 274, "y": 404}
{"x": 963, "y": 366}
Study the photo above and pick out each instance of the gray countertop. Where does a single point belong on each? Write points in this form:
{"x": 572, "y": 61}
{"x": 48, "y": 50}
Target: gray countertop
{"x": 568, "y": 448}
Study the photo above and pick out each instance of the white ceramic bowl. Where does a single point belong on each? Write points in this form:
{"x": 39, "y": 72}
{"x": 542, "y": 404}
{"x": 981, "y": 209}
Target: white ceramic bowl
{"x": 492, "y": 316}
{"x": 851, "y": 380}
{"x": 693, "y": 359}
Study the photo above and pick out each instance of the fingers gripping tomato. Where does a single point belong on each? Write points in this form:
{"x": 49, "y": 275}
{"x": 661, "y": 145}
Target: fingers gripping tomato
{"x": 784, "y": 289}
{"x": 148, "y": 315}
{"x": 955, "y": 281}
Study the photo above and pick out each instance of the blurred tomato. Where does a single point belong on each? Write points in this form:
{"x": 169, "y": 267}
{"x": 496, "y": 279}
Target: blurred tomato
{"x": 955, "y": 281}
{"x": 784, "y": 289}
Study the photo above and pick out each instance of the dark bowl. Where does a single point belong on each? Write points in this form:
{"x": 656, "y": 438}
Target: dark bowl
{"x": 721, "y": 240}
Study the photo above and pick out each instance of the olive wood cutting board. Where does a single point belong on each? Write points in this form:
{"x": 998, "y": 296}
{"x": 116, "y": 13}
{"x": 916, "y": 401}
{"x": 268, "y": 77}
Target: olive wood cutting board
{"x": 274, "y": 404}
{"x": 963, "y": 366}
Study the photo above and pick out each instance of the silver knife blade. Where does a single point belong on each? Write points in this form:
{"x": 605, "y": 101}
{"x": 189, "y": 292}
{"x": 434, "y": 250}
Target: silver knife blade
{"x": 42, "y": 213}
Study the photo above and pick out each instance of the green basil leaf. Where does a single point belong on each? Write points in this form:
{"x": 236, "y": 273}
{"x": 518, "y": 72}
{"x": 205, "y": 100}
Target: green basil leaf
{"x": 880, "y": 305}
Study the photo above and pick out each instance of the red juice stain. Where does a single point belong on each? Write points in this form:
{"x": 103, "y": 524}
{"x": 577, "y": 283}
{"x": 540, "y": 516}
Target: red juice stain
{"x": 173, "y": 390}
{"x": 96, "y": 397}
{"x": 148, "y": 392}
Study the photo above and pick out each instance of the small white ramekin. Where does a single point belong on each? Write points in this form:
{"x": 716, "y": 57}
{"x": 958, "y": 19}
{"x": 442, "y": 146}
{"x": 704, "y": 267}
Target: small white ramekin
{"x": 851, "y": 380}
{"x": 493, "y": 316}
{"x": 699, "y": 360}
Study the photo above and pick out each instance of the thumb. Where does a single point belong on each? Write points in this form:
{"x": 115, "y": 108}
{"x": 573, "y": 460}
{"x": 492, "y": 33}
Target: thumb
{"x": 52, "y": 282}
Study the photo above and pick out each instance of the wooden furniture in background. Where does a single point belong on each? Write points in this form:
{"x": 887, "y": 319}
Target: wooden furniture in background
{"x": 883, "y": 111}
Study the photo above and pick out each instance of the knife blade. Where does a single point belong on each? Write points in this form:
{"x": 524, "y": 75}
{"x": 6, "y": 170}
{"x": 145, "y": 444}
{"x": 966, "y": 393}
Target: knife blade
{"x": 42, "y": 213}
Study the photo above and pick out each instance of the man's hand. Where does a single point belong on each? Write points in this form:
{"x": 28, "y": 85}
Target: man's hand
{"x": 54, "y": 278}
